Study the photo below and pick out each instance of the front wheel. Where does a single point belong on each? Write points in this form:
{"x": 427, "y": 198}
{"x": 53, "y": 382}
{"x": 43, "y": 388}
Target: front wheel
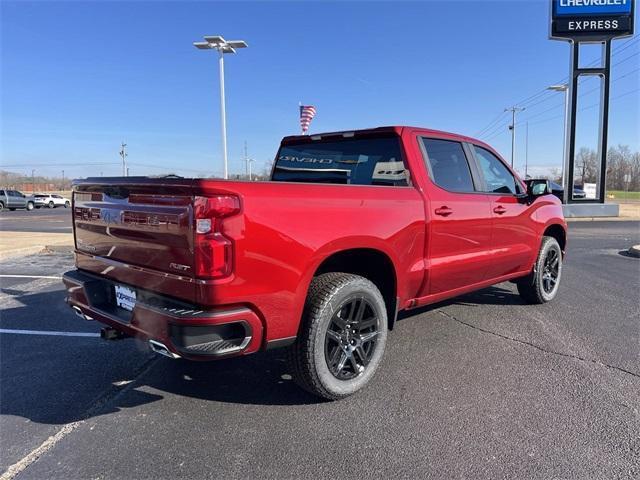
{"x": 30, "y": 206}
{"x": 67, "y": 204}
{"x": 541, "y": 285}
{"x": 51, "y": 205}
{"x": 342, "y": 336}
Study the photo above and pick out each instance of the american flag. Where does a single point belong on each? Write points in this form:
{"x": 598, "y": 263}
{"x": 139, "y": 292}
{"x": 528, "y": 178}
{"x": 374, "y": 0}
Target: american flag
{"x": 307, "y": 112}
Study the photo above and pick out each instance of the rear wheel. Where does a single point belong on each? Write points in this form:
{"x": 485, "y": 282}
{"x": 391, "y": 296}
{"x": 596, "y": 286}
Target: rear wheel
{"x": 541, "y": 285}
{"x": 29, "y": 206}
{"x": 342, "y": 337}
{"x": 1, "y": 206}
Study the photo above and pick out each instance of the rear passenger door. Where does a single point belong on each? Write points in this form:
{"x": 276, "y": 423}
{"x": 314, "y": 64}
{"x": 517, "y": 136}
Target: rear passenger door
{"x": 513, "y": 237}
{"x": 458, "y": 218}
{"x": 13, "y": 199}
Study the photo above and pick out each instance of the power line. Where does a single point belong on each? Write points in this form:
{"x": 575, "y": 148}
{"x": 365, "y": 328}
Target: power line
{"x": 526, "y": 102}
{"x": 617, "y": 97}
{"x": 490, "y": 124}
{"x": 496, "y": 130}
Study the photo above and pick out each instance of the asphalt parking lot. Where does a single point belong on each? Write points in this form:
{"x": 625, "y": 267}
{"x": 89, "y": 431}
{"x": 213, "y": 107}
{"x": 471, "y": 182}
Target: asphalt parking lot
{"x": 482, "y": 386}
{"x": 46, "y": 220}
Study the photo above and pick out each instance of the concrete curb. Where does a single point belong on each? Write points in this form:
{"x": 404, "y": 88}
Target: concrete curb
{"x": 602, "y": 219}
{"x": 635, "y": 251}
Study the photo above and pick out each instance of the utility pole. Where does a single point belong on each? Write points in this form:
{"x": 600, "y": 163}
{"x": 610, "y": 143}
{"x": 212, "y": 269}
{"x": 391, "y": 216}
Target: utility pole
{"x": 123, "y": 154}
{"x": 62, "y": 180}
{"x": 526, "y": 152}
{"x": 249, "y": 161}
{"x": 33, "y": 181}
{"x": 246, "y": 159}
{"x": 512, "y": 127}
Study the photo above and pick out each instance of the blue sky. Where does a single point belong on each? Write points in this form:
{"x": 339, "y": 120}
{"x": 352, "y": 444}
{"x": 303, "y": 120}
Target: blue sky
{"x": 80, "y": 77}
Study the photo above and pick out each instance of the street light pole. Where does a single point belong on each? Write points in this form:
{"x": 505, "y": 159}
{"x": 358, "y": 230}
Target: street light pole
{"x": 223, "y": 46}
{"x": 563, "y": 88}
{"x": 512, "y": 127}
{"x": 223, "y": 114}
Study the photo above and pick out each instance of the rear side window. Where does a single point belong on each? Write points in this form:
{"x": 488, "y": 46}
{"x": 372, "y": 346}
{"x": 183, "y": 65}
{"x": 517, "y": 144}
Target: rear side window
{"x": 1, "y": 192}
{"x": 497, "y": 177}
{"x": 355, "y": 161}
{"x": 448, "y": 165}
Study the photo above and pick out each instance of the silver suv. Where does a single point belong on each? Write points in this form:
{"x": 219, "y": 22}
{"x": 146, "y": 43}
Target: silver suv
{"x": 13, "y": 199}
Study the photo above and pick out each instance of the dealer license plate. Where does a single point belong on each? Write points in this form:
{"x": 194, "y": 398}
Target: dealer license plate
{"x": 125, "y": 297}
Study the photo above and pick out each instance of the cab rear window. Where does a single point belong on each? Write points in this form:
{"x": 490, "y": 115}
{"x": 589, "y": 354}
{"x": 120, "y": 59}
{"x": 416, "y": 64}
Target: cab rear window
{"x": 353, "y": 161}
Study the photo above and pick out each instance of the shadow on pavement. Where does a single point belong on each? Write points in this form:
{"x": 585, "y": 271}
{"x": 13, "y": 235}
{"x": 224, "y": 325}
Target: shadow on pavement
{"x": 57, "y": 380}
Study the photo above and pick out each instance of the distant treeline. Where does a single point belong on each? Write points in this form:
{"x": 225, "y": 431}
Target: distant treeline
{"x": 623, "y": 168}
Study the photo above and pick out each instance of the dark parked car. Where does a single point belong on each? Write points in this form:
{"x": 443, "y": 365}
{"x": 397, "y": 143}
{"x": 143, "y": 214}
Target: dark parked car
{"x": 558, "y": 191}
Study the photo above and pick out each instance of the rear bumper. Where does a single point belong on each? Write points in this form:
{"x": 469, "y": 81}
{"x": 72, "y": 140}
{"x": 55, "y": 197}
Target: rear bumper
{"x": 184, "y": 329}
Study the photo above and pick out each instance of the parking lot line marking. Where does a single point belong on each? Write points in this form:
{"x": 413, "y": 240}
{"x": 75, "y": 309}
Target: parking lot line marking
{"x": 49, "y": 332}
{"x": 32, "y": 276}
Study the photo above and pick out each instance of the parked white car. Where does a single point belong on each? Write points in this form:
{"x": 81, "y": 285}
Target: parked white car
{"x": 51, "y": 201}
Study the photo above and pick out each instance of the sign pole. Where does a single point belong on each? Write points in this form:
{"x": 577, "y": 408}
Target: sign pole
{"x": 588, "y": 22}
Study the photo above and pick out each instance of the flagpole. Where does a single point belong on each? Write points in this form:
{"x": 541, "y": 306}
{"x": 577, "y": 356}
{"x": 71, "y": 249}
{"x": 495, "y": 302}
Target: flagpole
{"x": 300, "y": 116}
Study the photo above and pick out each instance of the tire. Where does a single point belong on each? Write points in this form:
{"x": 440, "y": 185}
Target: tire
{"x": 51, "y": 205}
{"x": 344, "y": 323}
{"x": 1, "y": 206}
{"x": 67, "y": 204}
{"x": 541, "y": 285}
{"x": 30, "y": 206}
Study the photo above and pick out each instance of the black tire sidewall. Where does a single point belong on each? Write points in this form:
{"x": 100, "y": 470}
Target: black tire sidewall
{"x": 357, "y": 287}
{"x": 548, "y": 244}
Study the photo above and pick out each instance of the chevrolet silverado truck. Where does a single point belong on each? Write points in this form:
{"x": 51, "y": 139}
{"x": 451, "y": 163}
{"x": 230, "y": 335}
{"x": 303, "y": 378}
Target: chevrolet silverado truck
{"x": 353, "y": 228}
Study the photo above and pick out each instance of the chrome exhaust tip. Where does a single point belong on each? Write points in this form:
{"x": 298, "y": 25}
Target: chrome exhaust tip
{"x": 161, "y": 349}
{"x": 79, "y": 313}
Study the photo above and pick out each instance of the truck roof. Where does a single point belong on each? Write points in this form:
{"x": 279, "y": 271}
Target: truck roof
{"x": 397, "y": 129}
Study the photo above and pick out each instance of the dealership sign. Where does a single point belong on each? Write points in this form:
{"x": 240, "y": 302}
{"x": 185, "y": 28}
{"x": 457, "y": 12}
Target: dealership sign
{"x": 591, "y": 19}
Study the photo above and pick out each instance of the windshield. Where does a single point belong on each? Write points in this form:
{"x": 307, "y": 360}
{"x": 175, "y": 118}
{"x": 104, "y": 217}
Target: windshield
{"x": 365, "y": 161}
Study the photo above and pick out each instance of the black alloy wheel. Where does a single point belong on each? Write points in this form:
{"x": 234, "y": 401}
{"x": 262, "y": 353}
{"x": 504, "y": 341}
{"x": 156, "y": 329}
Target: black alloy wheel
{"x": 550, "y": 271}
{"x": 541, "y": 285}
{"x": 350, "y": 340}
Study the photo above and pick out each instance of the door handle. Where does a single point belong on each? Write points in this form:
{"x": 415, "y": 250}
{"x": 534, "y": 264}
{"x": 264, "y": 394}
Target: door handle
{"x": 499, "y": 210}
{"x": 443, "y": 211}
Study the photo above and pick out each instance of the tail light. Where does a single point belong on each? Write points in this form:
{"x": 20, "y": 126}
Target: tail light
{"x": 213, "y": 251}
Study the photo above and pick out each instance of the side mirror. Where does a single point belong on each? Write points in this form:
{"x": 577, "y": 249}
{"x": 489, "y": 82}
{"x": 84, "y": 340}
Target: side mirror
{"x": 537, "y": 187}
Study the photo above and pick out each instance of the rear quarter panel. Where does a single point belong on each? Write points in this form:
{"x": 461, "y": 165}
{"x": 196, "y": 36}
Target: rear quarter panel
{"x": 286, "y": 230}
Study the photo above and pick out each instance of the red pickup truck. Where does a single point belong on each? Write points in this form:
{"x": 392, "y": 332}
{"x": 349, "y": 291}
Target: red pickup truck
{"x": 352, "y": 228}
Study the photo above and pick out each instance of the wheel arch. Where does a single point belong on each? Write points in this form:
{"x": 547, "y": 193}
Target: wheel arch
{"x": 558, "y": 232}
{"x": 372, "y": 264}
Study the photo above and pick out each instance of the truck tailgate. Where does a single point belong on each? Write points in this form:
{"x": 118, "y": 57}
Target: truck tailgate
{"x": 137, "y": 225}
